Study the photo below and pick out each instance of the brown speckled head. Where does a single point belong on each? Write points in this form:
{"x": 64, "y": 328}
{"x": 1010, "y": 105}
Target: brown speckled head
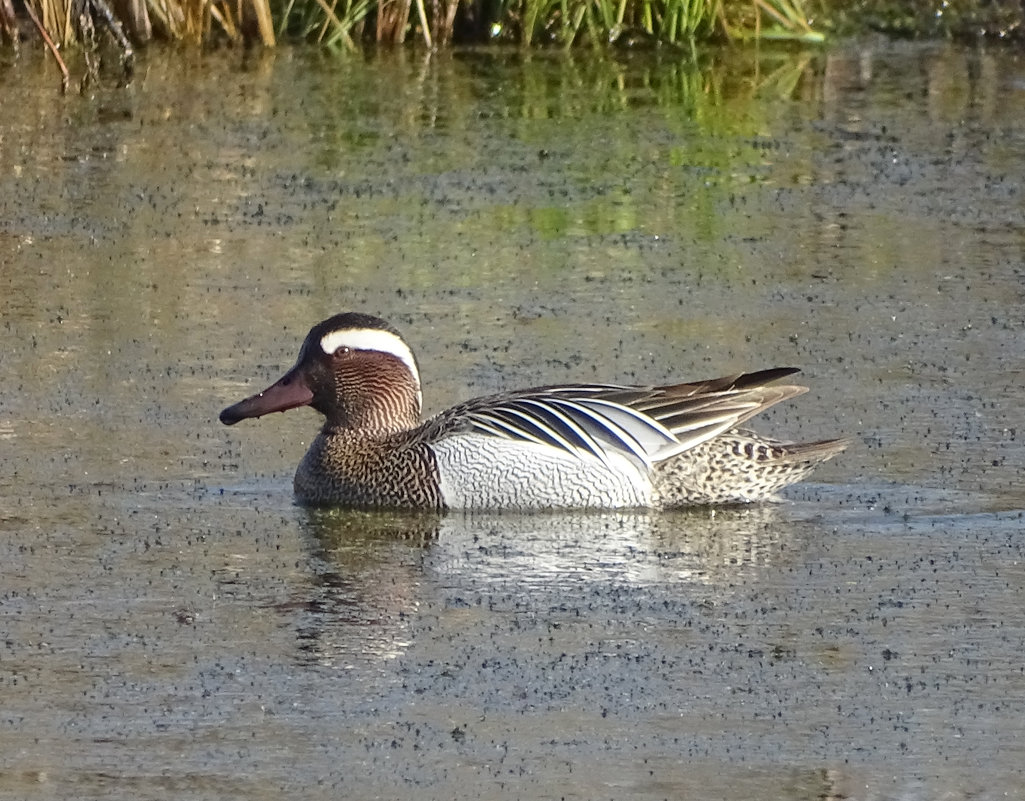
{"x": 355, "y": 369}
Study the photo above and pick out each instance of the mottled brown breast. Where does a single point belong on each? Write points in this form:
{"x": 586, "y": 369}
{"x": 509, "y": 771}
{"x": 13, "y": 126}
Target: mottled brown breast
{"x": 364, "y": 470}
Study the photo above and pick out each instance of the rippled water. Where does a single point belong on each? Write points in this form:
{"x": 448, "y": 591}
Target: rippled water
{"x": 175, "y": 625}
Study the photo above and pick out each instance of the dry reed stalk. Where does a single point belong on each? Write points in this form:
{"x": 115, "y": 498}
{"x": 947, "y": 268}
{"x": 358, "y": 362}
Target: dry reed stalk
{"x": 444, "y": 21}
{"x": 422, "y": 13}
{"x": 264, "y": 21}
{"x": 65, "y": 76}
{"x": 226, "y": 20}
{"x": 8, "y": 22}
{"x": 54, "y": 17}
{"x": 392, "y": 18}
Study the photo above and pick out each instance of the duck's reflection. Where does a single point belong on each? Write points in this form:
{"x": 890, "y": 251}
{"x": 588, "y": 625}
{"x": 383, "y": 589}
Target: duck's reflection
{"x": 703, "y": 546}
{"x": 366, "y": 576}
{"x": 377, "y": 578}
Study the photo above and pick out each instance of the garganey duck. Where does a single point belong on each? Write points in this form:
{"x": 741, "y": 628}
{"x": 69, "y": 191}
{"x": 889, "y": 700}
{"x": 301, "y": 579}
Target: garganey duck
{"x": 597, "y": 446}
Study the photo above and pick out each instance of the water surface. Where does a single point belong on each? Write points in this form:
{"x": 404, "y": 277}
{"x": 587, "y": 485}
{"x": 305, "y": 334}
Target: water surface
{"x": 175, "y": 625}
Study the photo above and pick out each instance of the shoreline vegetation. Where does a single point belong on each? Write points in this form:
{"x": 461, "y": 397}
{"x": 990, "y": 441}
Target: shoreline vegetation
{"x": 97, "y": 26}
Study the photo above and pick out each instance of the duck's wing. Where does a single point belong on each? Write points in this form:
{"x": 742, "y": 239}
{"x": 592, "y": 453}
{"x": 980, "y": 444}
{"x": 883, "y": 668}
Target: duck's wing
{"x": 606, "y": 421}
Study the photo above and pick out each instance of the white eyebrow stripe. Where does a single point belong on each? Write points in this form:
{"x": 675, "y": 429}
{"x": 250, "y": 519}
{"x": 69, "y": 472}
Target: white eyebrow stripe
{"x": 371, "y": 339}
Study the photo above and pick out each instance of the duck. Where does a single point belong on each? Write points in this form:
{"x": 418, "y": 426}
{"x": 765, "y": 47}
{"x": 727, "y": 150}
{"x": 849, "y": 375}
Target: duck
{"x": 559, "y": 447}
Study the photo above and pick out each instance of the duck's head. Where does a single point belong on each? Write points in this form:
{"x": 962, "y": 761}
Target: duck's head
{"x": 355, "y": 369}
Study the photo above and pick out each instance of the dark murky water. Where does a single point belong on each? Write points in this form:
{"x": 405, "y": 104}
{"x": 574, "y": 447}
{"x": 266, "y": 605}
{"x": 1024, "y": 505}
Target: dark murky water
{"x": 174, "y": 626}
